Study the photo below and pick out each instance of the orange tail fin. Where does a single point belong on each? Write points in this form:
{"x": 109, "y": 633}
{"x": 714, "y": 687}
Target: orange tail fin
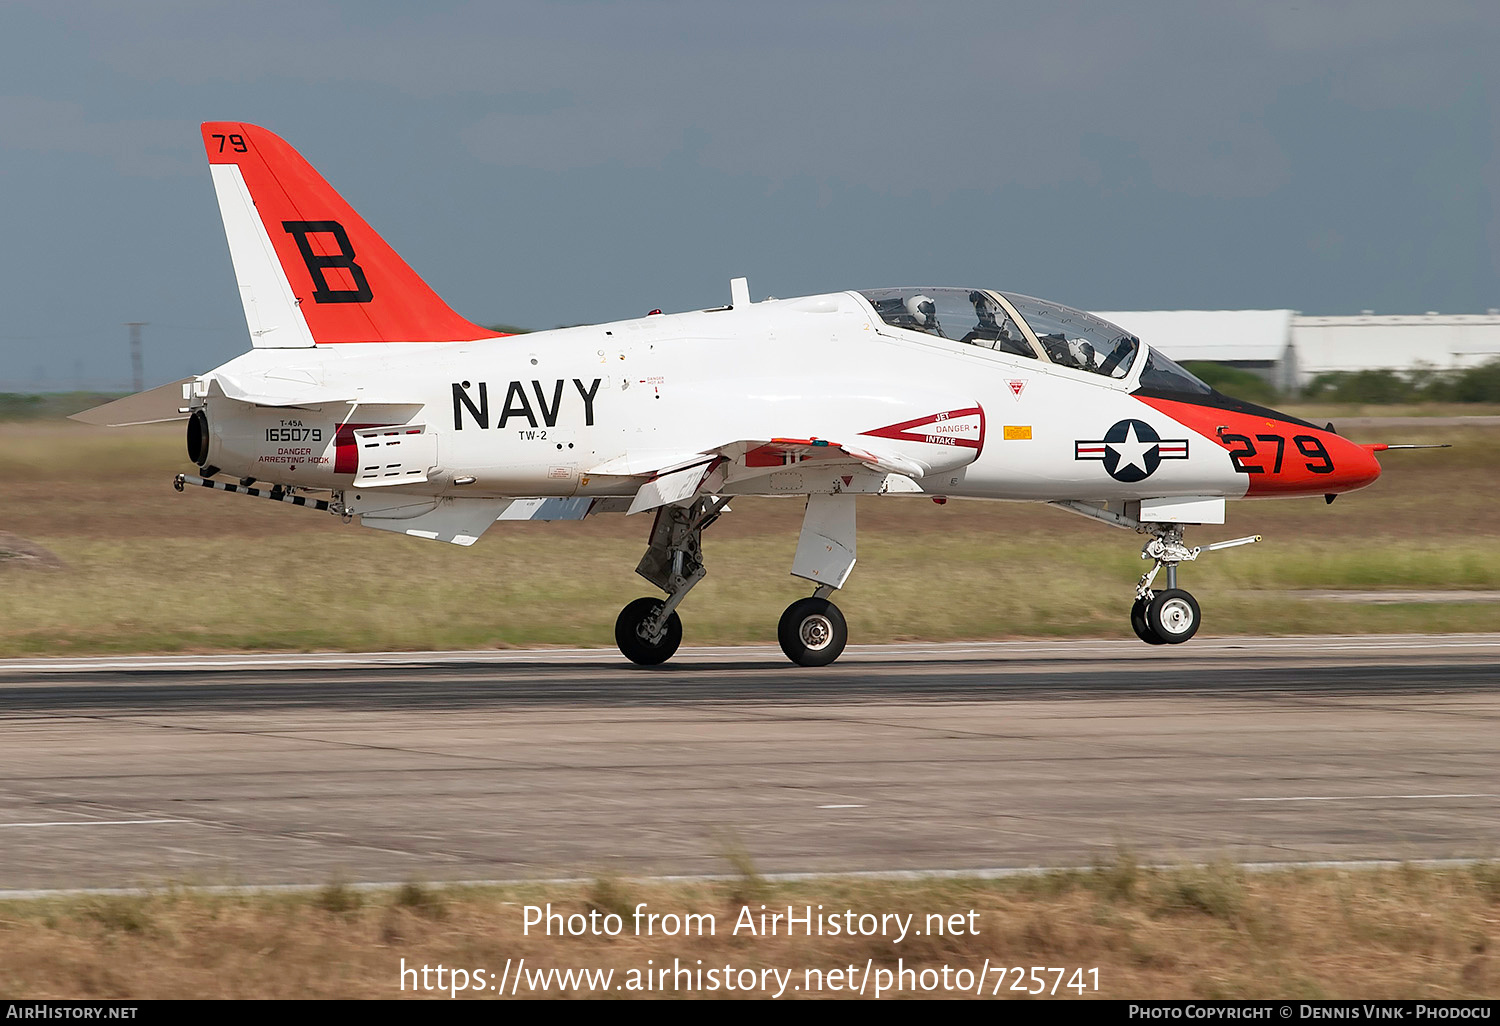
{"x": 310, "y": 270}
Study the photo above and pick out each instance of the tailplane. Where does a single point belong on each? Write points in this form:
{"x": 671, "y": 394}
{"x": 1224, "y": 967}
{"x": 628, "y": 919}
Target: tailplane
{"x": 310, "y": 270}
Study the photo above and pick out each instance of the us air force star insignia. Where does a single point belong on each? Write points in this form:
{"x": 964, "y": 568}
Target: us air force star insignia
{"x": 1131, "y": 450}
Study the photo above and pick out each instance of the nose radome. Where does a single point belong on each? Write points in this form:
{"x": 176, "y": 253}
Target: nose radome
{"x": 1280, "y": 455}
{"x": 1356, "y": 467}
{"x": 1306, "y": 471}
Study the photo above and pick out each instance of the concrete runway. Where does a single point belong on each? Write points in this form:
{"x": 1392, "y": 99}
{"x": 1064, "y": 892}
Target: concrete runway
{"x": 448, "y": 766}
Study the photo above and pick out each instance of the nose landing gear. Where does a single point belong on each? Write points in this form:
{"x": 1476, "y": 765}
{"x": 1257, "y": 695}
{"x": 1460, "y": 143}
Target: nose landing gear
{"x": 1139, "y": 624}
{"x": 1171, "y": 616}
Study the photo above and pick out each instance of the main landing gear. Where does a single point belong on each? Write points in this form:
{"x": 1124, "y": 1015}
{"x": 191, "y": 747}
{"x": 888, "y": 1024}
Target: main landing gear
{"x": 812, "y": 631}
{"x": 1171, "y": 616}
{"x": 649, "y": 630}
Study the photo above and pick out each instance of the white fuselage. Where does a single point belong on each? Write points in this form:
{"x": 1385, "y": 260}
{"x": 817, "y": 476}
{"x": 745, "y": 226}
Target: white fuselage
{"x": 593, "y": 410}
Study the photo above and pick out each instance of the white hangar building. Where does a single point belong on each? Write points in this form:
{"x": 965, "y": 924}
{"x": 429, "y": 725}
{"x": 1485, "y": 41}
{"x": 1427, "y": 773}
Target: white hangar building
{"x": 1289, "y": 349}
{"x": 1253, "y": 340}
{"x": 1399, "y": 343}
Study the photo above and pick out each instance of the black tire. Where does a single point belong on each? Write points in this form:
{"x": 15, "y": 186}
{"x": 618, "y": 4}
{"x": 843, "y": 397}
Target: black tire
{"x": 812, "y": 632}
{"x": 1140, "y": 626}
{"x": 1173, "y": 616}
{"x": 636, "y": 648}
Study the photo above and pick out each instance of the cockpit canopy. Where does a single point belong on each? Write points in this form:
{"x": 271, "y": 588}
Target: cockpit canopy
{"x": 1012, "y": 323}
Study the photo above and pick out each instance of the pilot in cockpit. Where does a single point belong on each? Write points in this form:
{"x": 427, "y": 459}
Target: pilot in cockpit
{"x": 994, "y": 330}
{"x": 1069, "y": 352}
{"x": 923, "y": 313}
{"x": 986, "y": 333}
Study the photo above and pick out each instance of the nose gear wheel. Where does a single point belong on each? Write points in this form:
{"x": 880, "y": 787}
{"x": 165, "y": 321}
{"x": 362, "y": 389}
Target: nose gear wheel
{"x": 1173, "y": 616}
{"x": 1139, "y": 624}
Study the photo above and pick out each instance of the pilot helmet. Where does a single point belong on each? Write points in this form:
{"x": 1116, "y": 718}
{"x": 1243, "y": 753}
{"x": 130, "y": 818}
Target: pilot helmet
{"x": 922, "y": 310}
{"x": 984, "y": 308}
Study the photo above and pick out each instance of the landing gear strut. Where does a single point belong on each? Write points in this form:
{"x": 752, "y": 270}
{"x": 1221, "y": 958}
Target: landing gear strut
{"x": 1171, "y": 616}
{"x": 812, "y": 631}
{"x": 649, "y": 630}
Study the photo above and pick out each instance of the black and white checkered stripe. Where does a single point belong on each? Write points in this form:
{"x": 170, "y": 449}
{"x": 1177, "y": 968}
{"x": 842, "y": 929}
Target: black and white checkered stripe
{"x": 276, "y": 492}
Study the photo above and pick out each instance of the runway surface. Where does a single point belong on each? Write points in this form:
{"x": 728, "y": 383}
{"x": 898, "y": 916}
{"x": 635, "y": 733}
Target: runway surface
{"x": 445, "y": 766}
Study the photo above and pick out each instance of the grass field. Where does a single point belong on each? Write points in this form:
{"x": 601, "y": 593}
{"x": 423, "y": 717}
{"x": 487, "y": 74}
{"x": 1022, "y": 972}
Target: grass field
{"x": 149, "y": 569}
{"x": 1213, "y": 932}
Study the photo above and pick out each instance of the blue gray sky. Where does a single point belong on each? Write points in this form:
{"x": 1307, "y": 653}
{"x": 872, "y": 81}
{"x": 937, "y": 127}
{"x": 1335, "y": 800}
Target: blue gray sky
{"x": 569, "y": 162}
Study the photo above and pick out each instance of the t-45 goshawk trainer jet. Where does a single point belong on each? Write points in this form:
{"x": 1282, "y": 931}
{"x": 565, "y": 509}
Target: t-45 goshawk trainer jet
{"x": 365, "y": 388}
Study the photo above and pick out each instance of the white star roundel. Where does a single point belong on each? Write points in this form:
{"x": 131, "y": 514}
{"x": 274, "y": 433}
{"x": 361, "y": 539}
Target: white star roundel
{"x": 1131, "y": 450}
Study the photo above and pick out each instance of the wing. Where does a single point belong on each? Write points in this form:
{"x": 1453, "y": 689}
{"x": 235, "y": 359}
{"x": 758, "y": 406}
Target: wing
{"x": 782, "y": 451}
{"x": 674, "y": 477}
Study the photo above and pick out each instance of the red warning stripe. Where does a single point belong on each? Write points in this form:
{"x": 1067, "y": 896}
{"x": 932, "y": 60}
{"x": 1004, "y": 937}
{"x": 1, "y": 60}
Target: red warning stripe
{"x": 905, "y": 432}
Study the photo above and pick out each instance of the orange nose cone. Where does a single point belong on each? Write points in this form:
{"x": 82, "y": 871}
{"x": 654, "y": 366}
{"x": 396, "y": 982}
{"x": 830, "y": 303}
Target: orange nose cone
{"x": 1310, "y": 462}
{"x": 1356, "y": 466}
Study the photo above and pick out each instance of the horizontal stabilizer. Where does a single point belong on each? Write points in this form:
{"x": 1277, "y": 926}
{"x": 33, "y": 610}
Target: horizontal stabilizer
{"x": 266, "y": 390}
{"x": 159, "y": 405}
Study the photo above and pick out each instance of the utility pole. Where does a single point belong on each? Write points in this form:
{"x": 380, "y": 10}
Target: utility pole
{"x": 136, "y": 375}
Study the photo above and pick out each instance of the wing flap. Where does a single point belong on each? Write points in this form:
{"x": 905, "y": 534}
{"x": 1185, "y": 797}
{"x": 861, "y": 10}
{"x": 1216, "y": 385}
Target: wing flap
{"x": 674, "y": 486}
{"x": 759, "y": 453}
{"x": 648, "y": 463}
{"x": 676, "y": 477}
{"x": 772, "y": 453}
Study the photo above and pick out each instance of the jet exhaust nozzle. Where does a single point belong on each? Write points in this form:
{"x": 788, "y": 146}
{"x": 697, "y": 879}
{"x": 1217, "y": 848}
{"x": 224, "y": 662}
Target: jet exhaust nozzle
{"x": 197, "y": 437}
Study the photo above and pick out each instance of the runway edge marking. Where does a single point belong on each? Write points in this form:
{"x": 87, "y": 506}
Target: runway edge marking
{"x": 999, "y": 873}
{"x": 908, "y": 652}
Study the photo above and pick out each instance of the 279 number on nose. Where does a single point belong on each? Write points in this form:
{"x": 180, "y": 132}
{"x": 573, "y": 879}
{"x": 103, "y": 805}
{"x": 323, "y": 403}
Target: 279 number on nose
{"x": 1317, "y": 460}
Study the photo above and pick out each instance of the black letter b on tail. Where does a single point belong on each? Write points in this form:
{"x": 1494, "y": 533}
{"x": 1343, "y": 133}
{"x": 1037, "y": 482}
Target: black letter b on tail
{"x": 316, "y": 264}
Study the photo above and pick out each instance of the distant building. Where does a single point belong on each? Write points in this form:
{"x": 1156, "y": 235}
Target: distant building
{"x": 1254, "y": 340}
{"x": 1400, "y": 343}
{"x": 1289, "y": 349}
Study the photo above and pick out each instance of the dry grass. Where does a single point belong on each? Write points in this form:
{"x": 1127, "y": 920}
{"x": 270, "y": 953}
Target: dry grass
{"x": 1195, "y": 932}
{"x": 1322, "y": 412}
{"x": 148, "y": 569}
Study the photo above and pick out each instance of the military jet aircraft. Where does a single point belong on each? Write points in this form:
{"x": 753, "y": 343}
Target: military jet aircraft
{"x": 365, "y": 395}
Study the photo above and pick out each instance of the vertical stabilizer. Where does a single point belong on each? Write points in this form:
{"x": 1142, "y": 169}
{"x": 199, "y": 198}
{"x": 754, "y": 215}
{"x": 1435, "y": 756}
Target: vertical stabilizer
{"x": 271, "y": 311}
{"x": 310, "y": 270}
